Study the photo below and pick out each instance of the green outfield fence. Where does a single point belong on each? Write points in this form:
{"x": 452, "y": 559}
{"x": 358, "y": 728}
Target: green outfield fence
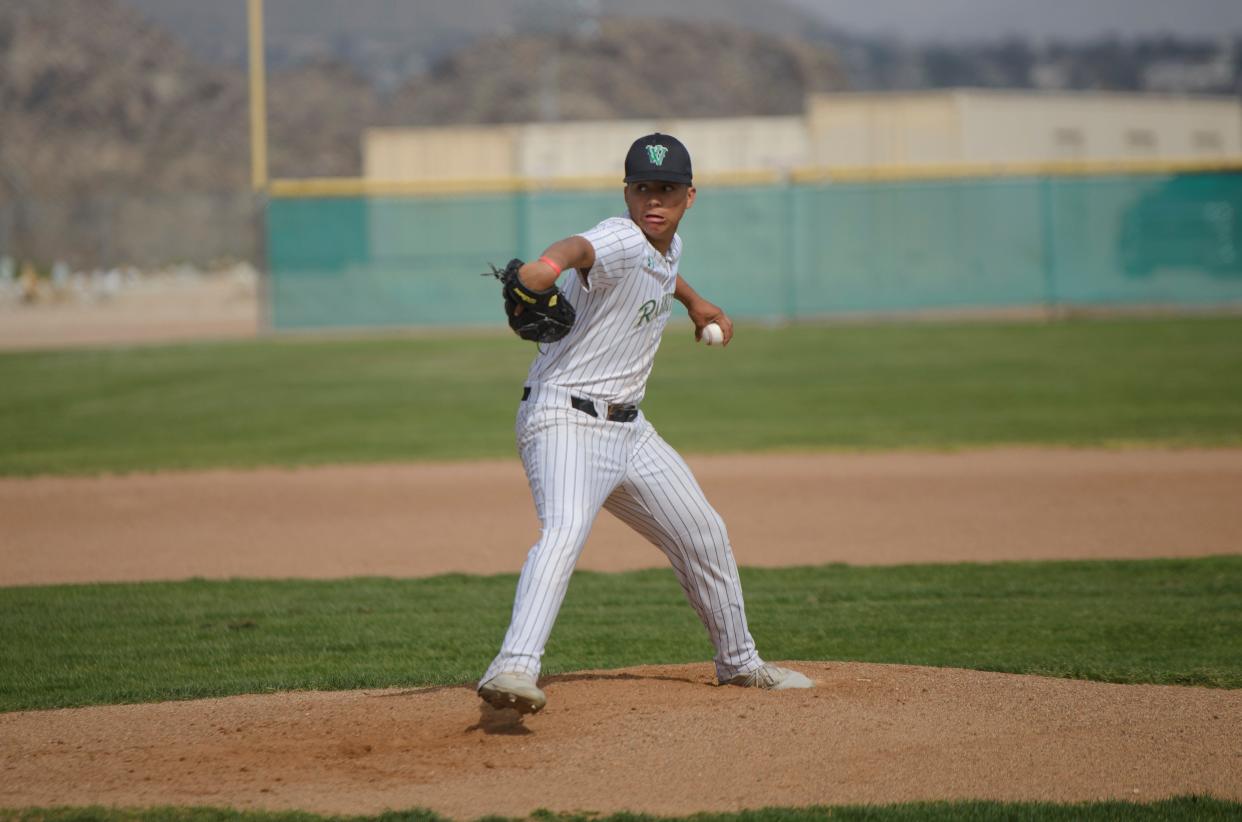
{"x": 781, "y": 251}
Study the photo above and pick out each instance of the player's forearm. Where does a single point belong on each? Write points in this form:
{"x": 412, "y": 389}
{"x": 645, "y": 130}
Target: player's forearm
{"x": 572, "y": 252}
{"x": 686, "y": 295}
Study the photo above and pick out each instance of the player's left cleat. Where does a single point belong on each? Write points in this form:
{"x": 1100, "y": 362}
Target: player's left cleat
{"x": 770, "y": 677}
{"x": 515, "y": 690}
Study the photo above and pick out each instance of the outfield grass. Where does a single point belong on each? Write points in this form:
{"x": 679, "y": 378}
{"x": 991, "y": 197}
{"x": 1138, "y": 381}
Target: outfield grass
{"x": 1159, "y": 621}
{"x": 1185, "y": 807}
{"x": 299, "y": 401}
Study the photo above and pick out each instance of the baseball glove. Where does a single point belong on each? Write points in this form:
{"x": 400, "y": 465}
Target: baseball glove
{"x": 539, "y": 316}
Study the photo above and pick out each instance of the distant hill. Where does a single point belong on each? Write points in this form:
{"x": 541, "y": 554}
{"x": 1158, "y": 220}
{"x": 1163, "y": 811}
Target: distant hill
{"x": 392, "y": 40}
{"x": 626, "y": 68}
{"x": 92, "y": 96}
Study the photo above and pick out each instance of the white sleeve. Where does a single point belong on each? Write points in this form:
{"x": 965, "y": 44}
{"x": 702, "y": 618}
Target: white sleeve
{"x": 619, "y": 248}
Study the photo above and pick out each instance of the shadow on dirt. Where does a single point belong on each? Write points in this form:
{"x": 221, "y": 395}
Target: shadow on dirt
{"x": 503, "y": 722}
{"x": 621, "y": 677}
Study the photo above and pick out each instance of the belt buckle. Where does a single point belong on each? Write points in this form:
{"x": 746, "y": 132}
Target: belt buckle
{"x": 622, "y": 413}
{"x": 612, "y": 413}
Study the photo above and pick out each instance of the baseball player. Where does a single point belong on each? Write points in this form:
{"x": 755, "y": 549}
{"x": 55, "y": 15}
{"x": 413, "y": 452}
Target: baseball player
{"x": 583, "y": 438}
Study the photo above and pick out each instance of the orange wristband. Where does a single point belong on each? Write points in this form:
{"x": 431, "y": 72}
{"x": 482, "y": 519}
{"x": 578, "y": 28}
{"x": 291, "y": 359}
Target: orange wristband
{"x": 551, "y": 264}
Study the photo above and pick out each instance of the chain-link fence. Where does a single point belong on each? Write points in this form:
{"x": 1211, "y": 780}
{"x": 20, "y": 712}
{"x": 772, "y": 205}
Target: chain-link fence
{"x": 104, "y": 230}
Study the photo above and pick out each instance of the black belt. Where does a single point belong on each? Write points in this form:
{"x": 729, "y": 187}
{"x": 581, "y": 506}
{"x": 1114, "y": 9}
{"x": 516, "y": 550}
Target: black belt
{"x": 616, "y": 413}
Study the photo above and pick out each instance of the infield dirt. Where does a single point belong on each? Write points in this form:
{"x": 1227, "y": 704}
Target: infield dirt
{"x": 655, "y": 739}
{"x": 782, "y": 510}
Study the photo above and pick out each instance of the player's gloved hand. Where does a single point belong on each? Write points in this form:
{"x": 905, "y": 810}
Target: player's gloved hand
{"x": 539, "y": 316}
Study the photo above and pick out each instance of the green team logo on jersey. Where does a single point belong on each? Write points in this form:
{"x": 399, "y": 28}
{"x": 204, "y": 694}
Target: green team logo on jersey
{"x": 656, "y": 154}
{"x": 651, "y": 309}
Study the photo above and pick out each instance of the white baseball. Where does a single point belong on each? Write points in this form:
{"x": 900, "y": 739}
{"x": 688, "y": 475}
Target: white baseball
{"x": 712, "y": 335}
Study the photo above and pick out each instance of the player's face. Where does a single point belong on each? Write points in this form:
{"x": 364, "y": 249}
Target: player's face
{"x": 657, "y": 207}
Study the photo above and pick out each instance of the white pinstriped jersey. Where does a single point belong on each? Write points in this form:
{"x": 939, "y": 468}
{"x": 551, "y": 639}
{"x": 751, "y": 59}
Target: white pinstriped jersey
{"x": 622, "y": 309}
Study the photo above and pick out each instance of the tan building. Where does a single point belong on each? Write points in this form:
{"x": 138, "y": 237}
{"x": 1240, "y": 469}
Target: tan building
{"x": 453, "y": 153}
{"x": 580, "y": 149}
{"x": 1000, "y": 127}
{"x": 846, "y": 131}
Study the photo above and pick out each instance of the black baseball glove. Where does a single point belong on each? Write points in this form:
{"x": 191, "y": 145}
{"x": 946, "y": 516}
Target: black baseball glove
{"x": 539, "y": 316}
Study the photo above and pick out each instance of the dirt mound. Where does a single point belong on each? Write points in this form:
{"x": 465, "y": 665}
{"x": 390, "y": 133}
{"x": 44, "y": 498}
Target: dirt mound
{"x": 651, "y": 739}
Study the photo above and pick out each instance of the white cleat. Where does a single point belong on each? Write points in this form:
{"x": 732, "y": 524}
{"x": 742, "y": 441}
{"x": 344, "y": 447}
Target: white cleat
{"x": 771, "y": 678}
{"x": 513, "y": 690}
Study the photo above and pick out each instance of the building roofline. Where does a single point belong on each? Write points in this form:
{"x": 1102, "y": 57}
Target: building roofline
{"x": 979, "y": 91}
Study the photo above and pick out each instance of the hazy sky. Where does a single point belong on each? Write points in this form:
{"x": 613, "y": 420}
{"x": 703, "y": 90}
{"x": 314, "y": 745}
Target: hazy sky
{"x": 968, "y": 19}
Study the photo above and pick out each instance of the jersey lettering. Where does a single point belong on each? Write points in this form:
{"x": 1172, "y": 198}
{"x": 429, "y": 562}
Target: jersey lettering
{"x": 651, "y": 309}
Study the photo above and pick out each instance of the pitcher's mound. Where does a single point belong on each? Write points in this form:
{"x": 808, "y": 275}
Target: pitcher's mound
{"x": 656, "y": 739}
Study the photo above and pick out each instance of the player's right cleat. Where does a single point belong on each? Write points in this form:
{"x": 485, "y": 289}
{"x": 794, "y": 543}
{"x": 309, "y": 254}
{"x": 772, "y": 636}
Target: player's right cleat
{"x": 770, "y": 677}
{"x": 513, "y": 690}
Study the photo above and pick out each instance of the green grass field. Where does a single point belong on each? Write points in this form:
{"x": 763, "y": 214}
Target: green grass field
{"x": 1161, "y": 621}
{"x": 1118, "y": 382}
{"x": 301, "y": 401}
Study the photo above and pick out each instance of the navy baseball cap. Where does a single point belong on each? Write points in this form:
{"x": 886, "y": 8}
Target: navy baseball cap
{"x": 658, "y": 157}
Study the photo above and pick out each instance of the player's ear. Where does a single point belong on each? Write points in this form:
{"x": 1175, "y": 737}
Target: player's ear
{"x": 690, "y": 192}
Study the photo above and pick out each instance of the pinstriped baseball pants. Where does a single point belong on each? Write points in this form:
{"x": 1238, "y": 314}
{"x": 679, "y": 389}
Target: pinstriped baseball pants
{"x": 577, "y": 464}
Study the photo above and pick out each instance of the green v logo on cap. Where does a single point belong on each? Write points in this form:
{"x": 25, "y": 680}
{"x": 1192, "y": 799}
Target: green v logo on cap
{"x": 658, "y": 157}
